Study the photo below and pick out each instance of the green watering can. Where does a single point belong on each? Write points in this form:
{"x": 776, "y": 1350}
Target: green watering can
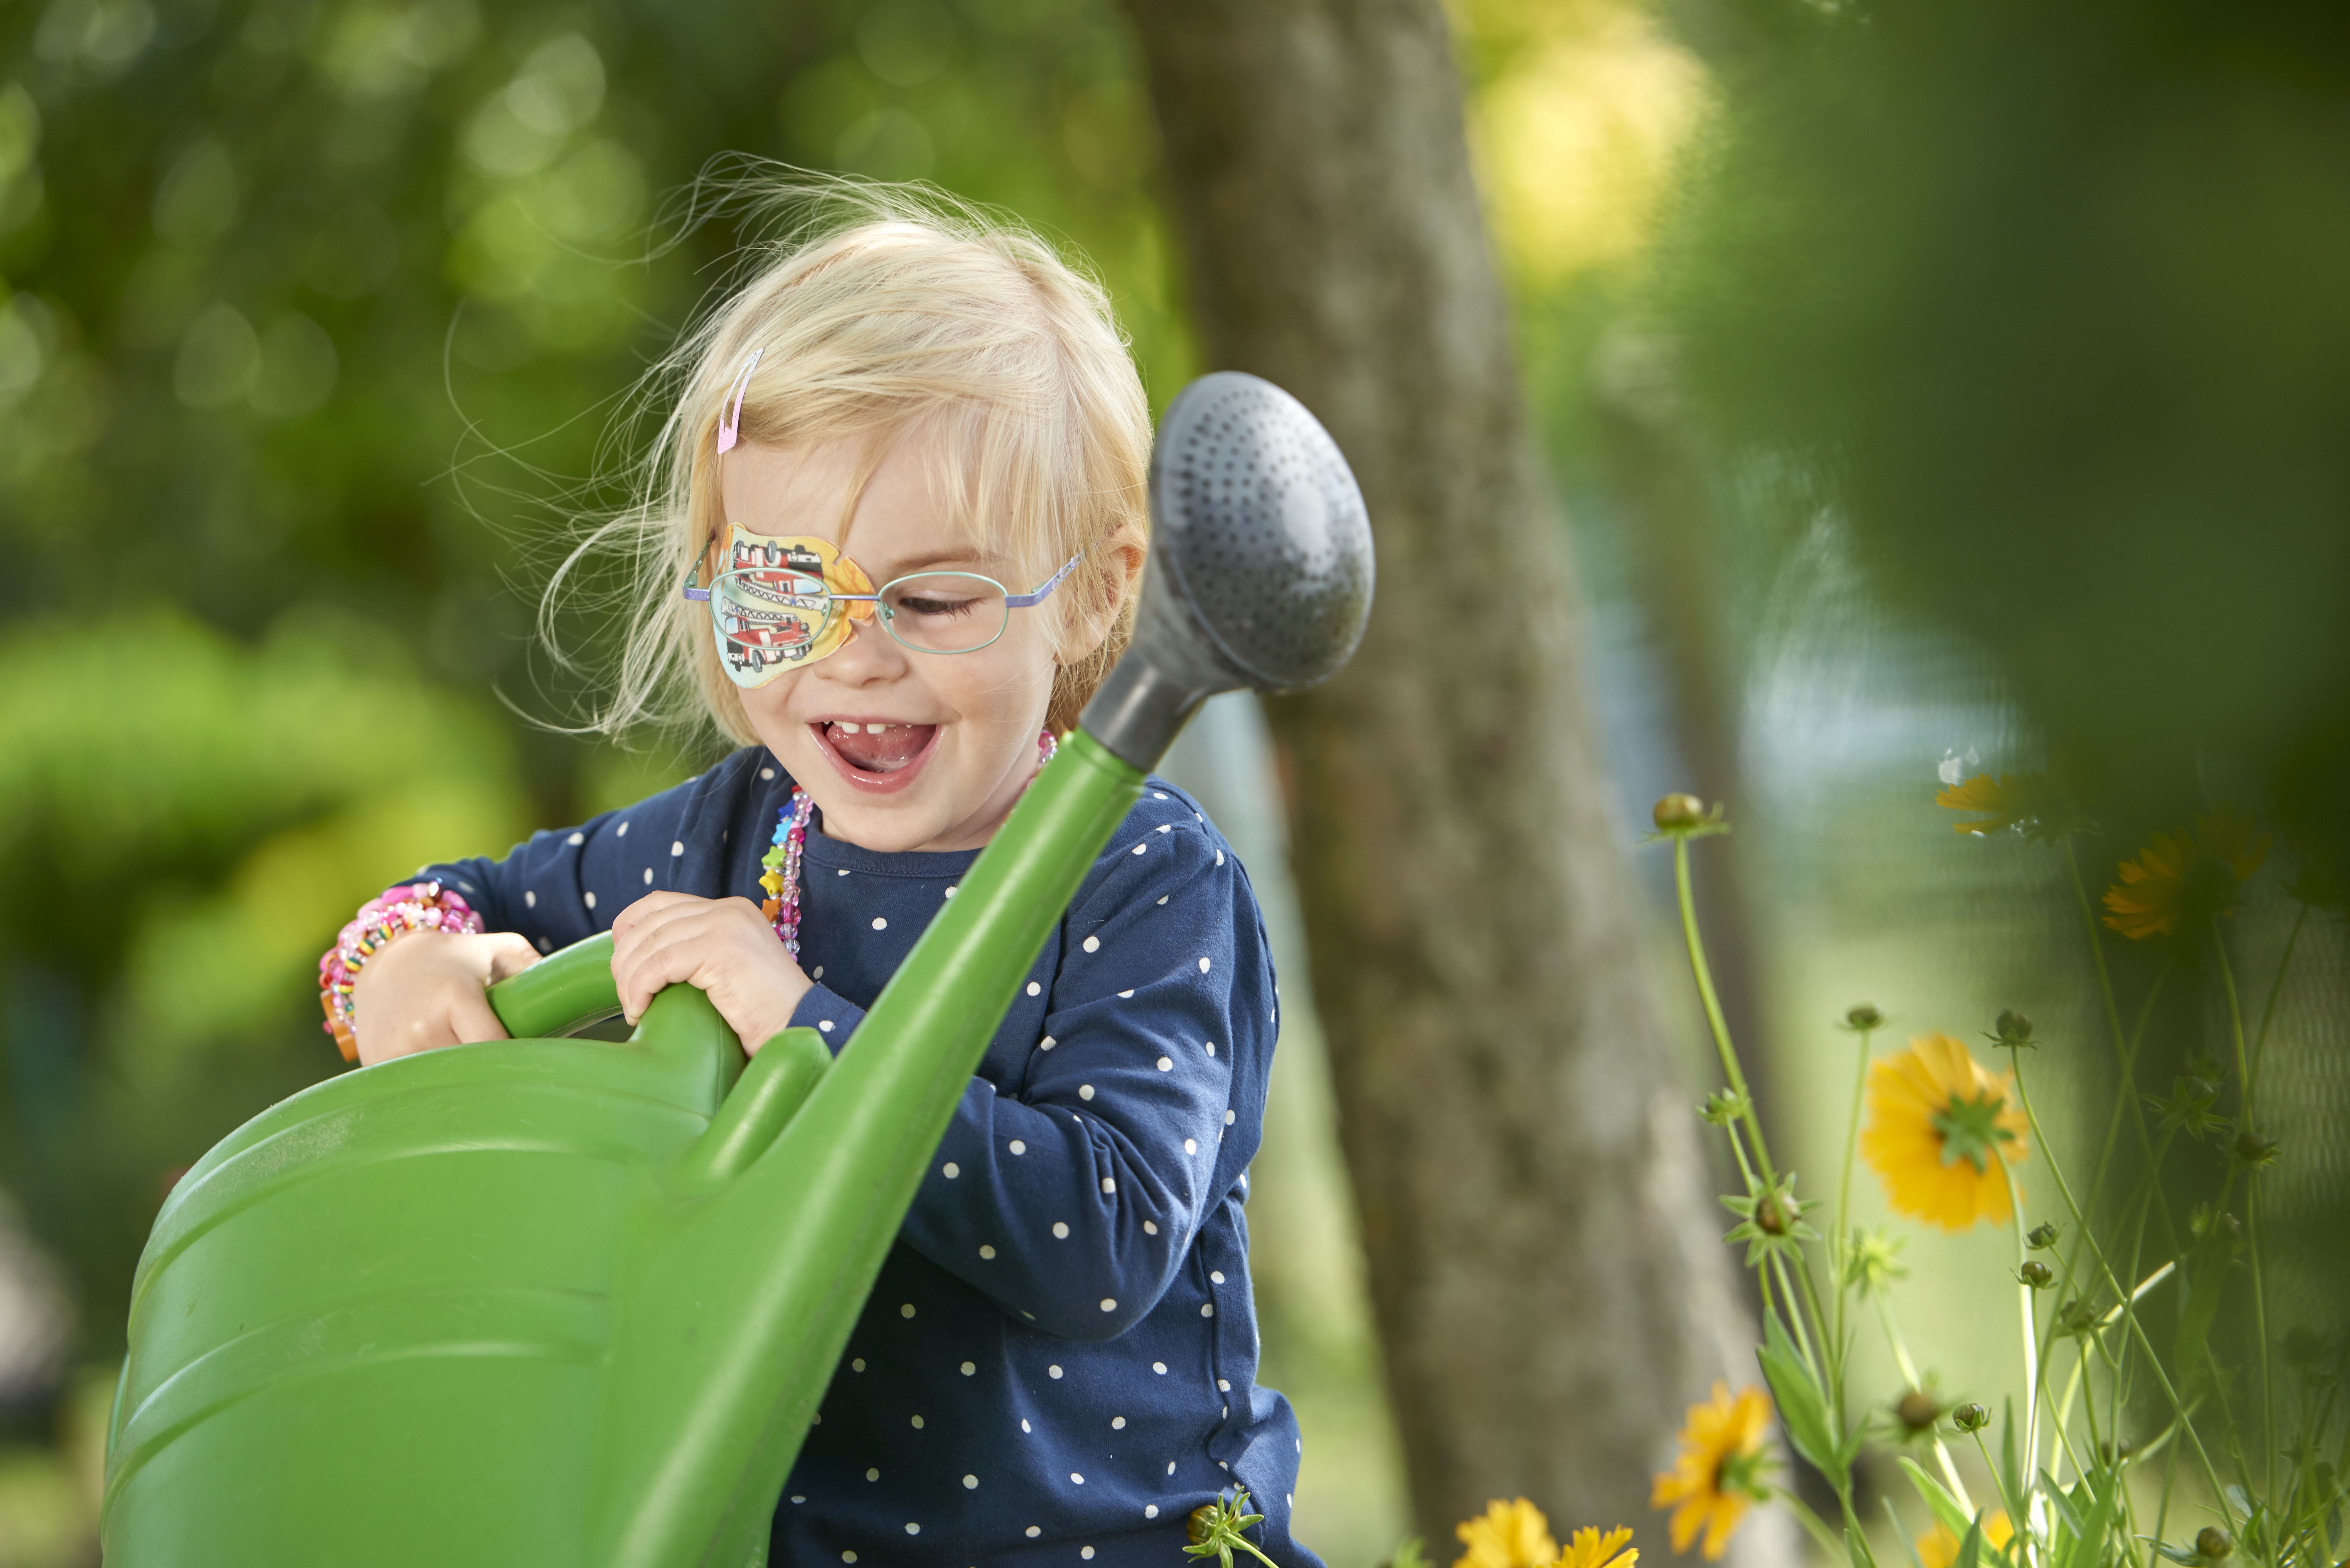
{"x": 566, "y": 1302}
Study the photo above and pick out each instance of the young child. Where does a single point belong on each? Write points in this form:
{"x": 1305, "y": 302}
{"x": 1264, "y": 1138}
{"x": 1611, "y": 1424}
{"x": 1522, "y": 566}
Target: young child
{"x": 905, "y": 501}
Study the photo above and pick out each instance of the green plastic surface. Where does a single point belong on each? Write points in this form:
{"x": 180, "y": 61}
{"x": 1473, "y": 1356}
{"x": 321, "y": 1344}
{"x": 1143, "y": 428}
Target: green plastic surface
{"x": 556, "y": 1302}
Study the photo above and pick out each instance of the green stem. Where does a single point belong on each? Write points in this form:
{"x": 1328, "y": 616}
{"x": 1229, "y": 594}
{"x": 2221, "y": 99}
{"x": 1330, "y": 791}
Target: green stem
{"x": 1794, "y": 1318}
{"x": 2261, "y": 1327}
{"x": 1855, "y": 1536}
{"x": 2128, "y": 1087}
{"x": 2125, "y": 1048}
{"x": 2017, "y": 1515}
{"x": 1825, "y": 1538}
{"x": 2244, "y": 1113}
{"x": 2202, "y": 1455}
{"x": 1842, "y": 1241}
{"x": 2096, "y": 946}
{"x": 2268, "y": 1012}
{"x": 2162, "y": 1505}
{"x": 2031, "y": 1334}
{"x": 1901, "y": 1358}
{"x": 1714, "y": 1020}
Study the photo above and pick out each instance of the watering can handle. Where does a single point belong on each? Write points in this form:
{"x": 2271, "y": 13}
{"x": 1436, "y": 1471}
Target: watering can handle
{"x": 561, "y": 994}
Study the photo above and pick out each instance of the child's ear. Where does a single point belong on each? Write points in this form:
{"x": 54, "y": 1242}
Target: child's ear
{"x": 1122, "y": 553}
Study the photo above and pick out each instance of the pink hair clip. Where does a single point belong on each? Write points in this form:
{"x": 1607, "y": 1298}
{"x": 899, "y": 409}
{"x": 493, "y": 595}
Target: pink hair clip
{"x": 730, "y": 424}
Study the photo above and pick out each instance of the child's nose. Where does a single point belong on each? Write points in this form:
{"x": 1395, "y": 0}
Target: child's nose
{"x": 866, "y": 653}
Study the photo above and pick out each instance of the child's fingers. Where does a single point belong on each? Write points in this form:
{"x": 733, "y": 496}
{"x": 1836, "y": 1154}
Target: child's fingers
{"x": 663, "y": 951}
{"x": 471, "y": 1019}
{"x": 509, "y": 955}
{"x": 647, "y": 908}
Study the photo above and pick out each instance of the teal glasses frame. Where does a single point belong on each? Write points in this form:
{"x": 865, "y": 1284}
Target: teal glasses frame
{"x": 885, "y": 613}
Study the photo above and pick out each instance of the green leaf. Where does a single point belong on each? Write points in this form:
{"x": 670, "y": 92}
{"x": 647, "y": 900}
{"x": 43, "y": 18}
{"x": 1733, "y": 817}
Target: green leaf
{"x": 2174, "y": 1553}
{"x": 2206, "y": 1278}
{"x": 1855, "y": 1549}
{"x": 1803, "y": 1410}
{"x": 2066, "y": 1510}
{"x": 1945, "y": 1509}
{"x": 1848, "y": 1454}
{"x": 2092, "y": 1548}
{"x": 1970, "y": 1548}
{"x": 1901, "y": 1534}
{"x": 2010, "y": 1473}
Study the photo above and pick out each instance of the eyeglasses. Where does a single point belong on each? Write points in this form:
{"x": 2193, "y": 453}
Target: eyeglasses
{"x": 787, "y": 602}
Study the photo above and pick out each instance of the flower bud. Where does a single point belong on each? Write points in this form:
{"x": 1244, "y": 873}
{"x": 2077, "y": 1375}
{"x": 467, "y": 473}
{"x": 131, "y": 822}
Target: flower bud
{"x": 1770, "y": 1218}
{"x": 2036, "y": 1274}
{"x": 1679, "y": 811}
{"x": 1971, "y": 1417}
{"x": 1202, "y": 1522}
{"x": 1917, "y": 1411}
{"x": 2252, "y": 1149}
{"x": 1722, "y": 1106}
{"x": 2213, "y": 1543}
{"x": 1863, "y": 1018}
{"x": 2041, "y": 1236}
{"x": 2112, "y": 1454}
{"x": 2012, "y": 1029}
{"x": 2076, "y": 1317}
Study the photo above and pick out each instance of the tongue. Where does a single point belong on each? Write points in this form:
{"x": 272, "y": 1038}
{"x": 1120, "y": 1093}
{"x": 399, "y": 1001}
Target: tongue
{"x": 885, "y": 753}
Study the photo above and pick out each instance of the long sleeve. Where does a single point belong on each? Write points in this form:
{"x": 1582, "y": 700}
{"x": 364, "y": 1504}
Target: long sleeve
{"x": 564, "y": 885}
{"x": 1073, "y": 1203}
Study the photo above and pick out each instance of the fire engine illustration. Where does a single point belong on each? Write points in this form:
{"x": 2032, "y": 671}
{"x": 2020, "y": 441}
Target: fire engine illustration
{"x": 776, "y": 588}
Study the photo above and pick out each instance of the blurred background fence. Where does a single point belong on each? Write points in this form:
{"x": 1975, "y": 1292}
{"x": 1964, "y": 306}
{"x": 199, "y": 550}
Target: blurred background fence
{"x": 1915, "y": 393}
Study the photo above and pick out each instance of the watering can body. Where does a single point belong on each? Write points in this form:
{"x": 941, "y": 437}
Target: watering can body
{"x": 373, "y": 1324}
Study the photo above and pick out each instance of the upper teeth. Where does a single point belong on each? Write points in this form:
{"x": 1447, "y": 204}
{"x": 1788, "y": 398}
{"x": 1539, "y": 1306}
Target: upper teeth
{"x": 846, "y": 728}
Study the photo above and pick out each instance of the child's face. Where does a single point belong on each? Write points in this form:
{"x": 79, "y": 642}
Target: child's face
{"x": 961, "y": 728}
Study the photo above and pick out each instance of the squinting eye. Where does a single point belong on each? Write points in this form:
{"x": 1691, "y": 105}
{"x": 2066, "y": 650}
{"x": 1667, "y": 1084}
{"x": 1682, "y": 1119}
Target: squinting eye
{"x": 935, "y": 607}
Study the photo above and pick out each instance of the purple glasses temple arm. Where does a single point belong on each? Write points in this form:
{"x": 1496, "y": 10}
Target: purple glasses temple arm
{"x": 1030, "y": 601}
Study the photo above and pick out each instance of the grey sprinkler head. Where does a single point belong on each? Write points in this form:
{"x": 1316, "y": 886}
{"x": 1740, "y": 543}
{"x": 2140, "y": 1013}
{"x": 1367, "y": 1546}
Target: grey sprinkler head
{"x": 1260, "y": 562}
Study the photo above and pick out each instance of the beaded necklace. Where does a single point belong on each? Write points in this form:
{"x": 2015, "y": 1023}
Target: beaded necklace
{"x": 780, "y": 867}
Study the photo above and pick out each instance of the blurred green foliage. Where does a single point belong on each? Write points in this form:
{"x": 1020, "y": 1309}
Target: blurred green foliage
{"x": 2044, "y": 303}
{"x": 313, "y": 318}
{"x": 2036, "y": 310}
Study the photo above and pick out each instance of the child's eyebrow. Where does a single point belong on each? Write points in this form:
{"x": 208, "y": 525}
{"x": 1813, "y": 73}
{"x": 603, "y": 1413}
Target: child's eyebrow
{"x": 952, "y": 560}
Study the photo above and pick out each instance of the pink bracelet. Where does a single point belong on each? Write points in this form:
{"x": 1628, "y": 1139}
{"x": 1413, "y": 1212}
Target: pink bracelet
{"x": 381, "y": 920}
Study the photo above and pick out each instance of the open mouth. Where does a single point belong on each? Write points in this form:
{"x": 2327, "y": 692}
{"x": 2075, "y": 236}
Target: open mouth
{"x": 881, "y": 757}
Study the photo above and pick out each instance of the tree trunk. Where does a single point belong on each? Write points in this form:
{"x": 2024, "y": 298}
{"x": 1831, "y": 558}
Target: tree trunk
{"x": 1544, "y": 1266}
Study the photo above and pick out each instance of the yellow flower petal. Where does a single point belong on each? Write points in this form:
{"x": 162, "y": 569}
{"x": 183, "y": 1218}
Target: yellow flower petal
{"x": 1923, "y": 1177}
{"x": 1937, "y": 1548}
{"x": 1590, "y": 1549}
{"x": 1699, "y": 1487}
{"x": 1506, "y": 1535}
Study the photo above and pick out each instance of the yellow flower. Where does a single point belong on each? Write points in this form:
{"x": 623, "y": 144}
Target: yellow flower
{"x": 1940, "y": 1131}
{"x": 1506, "y": 1535}
{"x": 1590, "y": 1549}
{"x": 2183, "y": 879}
{"x": 1937, "y": 1548}
{"x": 1719, "y": 1473}
{"x": 2011, "y": 799}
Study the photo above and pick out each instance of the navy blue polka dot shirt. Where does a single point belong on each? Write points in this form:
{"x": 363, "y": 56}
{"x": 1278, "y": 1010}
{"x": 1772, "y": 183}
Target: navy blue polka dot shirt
{"x": 1059, "y": 1362}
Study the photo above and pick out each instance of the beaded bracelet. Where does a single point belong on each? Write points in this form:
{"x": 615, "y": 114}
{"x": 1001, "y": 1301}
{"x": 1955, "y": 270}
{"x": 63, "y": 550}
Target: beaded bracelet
{"x": 381, "y": 920}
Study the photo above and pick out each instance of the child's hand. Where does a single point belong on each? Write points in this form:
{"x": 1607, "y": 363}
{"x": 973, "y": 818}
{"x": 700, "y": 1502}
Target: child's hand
{"x": 424, "y": 992}
{"x": 722, "y": 947}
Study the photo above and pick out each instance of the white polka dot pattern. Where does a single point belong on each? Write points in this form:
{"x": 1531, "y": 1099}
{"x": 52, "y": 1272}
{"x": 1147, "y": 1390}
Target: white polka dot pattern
{"x": 1159, "y": 957}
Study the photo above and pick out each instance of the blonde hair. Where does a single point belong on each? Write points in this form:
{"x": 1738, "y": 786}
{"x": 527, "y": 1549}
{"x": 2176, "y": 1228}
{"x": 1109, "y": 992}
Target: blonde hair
{"x": 882, "y": 312}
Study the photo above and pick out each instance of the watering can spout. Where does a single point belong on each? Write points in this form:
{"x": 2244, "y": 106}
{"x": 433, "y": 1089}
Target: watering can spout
{"x": 755, "y": 1205}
